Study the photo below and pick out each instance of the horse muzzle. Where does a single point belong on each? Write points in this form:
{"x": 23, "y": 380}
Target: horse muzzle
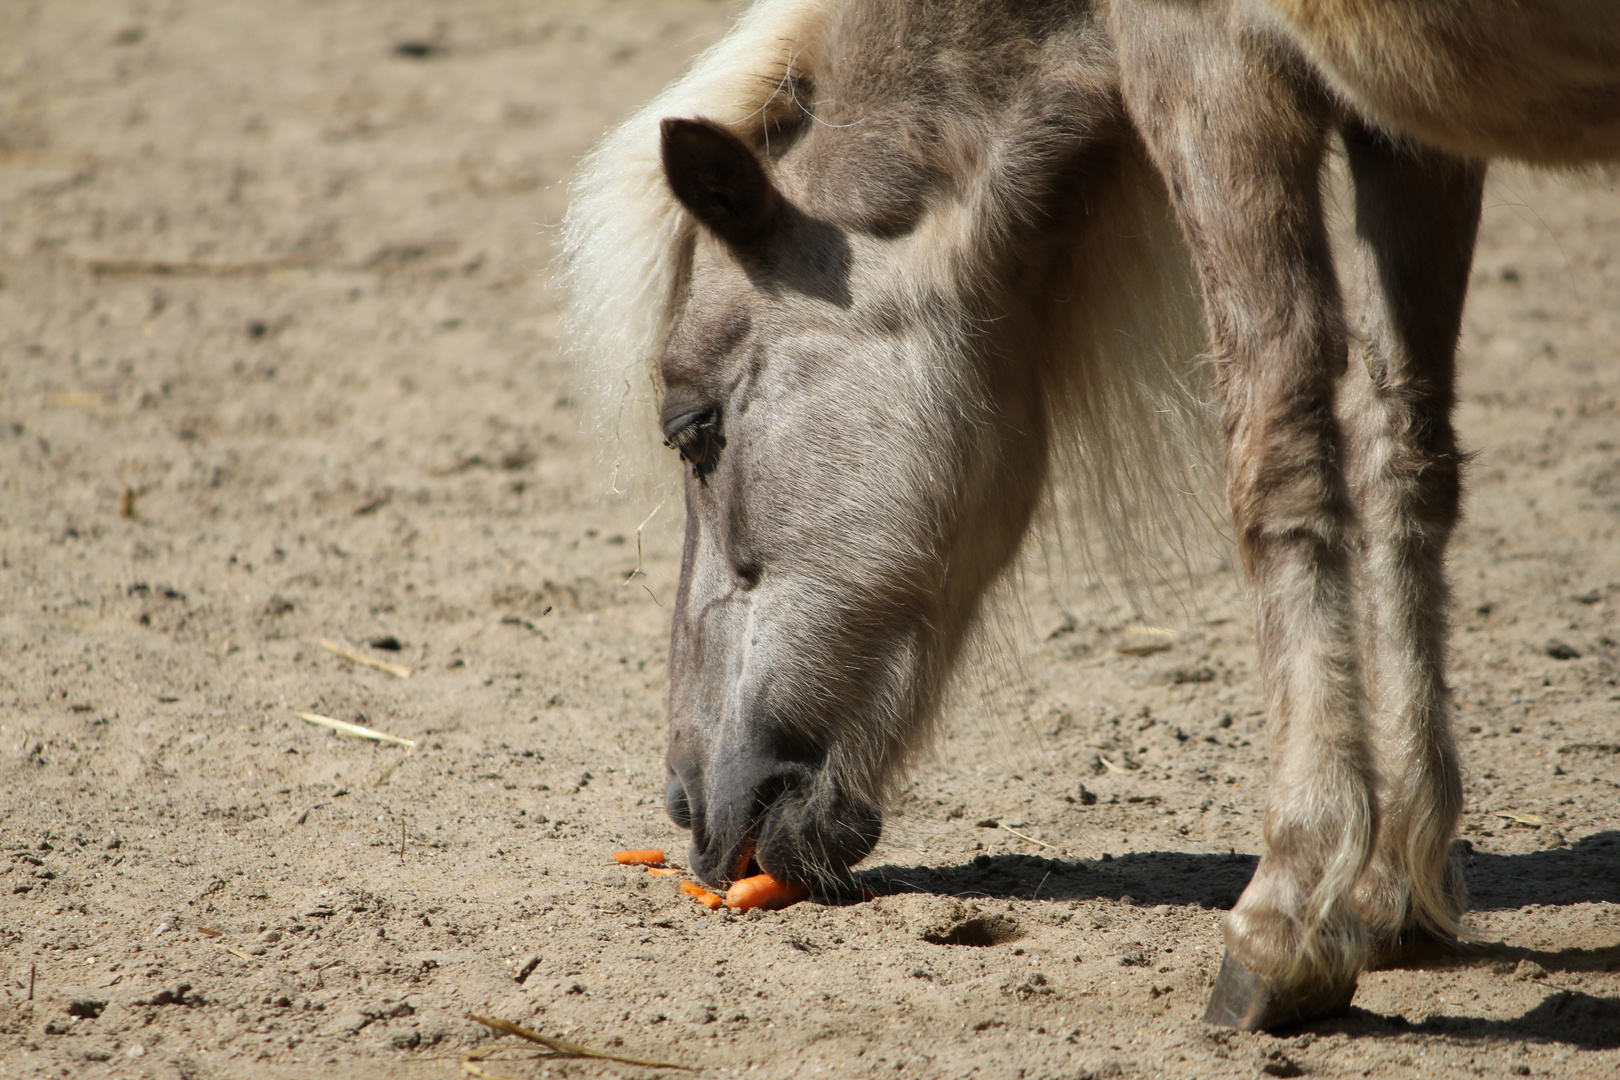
{"x": 753, "y": 813}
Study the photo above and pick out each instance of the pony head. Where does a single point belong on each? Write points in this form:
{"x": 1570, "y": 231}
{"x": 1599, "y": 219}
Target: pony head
{"x": 891, "y": 291}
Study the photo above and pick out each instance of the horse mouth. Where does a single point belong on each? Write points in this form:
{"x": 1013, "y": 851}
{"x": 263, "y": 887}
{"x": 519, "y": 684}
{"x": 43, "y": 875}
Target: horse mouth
{"x": 808, "y": 835}
{"x": 744, "y": 865}
{"x": 711, "y": 863}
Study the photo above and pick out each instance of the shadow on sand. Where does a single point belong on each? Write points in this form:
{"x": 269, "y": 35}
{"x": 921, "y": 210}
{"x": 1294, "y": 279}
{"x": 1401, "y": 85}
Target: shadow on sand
{"x": 1564, "y": 1016}
{"x": 1586, "y": 872}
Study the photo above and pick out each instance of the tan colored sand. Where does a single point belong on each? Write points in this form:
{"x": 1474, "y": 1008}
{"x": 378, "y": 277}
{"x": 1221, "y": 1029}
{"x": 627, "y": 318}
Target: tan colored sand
{"x": 278, "y": 293}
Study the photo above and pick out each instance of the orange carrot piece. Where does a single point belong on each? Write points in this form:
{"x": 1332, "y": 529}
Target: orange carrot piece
{"x": 662, "y": 871}
{"x": 652, "y": 857}
{"x": 764, "y": 891}
{"x": 701, "y": 895}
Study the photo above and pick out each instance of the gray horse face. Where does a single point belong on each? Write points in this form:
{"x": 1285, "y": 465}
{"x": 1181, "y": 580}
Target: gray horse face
{"x": 854, "y": 481}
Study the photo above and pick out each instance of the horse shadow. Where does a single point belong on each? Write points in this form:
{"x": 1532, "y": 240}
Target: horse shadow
{"x": 1585, "y": 872}
{"x": 1568, "y": 1017}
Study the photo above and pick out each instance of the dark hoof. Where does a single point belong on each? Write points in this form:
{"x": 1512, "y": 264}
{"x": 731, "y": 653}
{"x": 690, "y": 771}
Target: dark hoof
{"x": 1242, "y": 1000}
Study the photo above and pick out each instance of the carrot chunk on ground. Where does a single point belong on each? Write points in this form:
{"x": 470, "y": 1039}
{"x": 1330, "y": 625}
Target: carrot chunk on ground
{"x": 701, "y": 895}
{"x": 650, "y": 857}
{"x": 662, "y": 871}
{"x": 764, "y": 891}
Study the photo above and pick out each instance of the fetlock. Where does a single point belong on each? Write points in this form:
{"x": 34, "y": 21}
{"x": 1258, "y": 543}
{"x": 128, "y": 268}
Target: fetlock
{"x": 1407, "y": 927}
{"x": 1275, "y": 972}
{"x": 1382, "y": 903}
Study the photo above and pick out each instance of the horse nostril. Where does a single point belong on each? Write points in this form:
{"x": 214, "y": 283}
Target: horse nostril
{"x": 677, "y": 804}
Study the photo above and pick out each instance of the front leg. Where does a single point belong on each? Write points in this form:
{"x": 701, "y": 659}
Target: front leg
{"x": 1238, "y": 128}
{"x": 1416, "y": 215}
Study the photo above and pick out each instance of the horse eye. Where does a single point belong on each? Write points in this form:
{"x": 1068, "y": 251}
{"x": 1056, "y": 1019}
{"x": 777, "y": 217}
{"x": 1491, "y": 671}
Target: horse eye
{"x": 696, "y": 436}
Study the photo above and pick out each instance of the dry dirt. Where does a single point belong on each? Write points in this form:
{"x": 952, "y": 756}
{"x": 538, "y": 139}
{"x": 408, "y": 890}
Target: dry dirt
{"x": 278, "y": 362}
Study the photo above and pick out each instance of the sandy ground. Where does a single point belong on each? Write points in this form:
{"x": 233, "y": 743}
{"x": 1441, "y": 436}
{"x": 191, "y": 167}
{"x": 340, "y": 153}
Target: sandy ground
{"x": 278, "y": 362}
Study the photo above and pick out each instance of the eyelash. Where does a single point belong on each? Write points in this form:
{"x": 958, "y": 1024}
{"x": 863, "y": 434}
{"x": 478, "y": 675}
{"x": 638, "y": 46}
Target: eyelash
{"x": 699, "y": 441}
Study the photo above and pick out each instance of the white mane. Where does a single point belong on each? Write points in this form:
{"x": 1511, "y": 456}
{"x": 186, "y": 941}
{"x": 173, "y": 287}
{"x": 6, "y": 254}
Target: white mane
{"x": 620, "y": 238}
{"x": 1129, "y": 479}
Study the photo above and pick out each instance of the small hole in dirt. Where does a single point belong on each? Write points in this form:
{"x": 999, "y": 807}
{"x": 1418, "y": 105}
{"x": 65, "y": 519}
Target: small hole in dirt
{"x": 419, "y": 49}
{"x": 978, "y": 932}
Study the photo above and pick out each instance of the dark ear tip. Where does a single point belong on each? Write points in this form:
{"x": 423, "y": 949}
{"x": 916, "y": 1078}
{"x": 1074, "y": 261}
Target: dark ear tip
{"x": 716, "y": 176}
{"x": 695, "y": 132}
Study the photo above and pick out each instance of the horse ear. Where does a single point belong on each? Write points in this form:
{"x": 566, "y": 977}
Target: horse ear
{"x": 719, "y": 179}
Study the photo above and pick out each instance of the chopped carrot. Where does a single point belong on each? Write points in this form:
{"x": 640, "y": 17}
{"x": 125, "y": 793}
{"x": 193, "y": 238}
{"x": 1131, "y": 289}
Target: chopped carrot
{"x": 764, "y": 891}
{"x": 701, "y": 895}
{"x": 652, "y": 857}
{"x": 662, "y": 871}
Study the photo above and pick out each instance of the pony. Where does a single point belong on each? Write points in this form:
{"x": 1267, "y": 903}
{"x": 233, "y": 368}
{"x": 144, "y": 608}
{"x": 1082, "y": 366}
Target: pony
{"x": 893, "y": 279}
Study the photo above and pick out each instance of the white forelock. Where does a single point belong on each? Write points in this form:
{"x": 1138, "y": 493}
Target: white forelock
{"x": 620, "y": 238}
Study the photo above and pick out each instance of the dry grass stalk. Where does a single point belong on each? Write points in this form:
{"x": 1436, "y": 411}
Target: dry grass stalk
{"x": 189, "y": 268}
{"x": 1523, "y": 819}
{"x": 1024, "y": 836}
{"x": 382, "y": 777}
{"x": 556, "y": 1046}
{"x": 355, "y": 657}
{"x": 77, "y": 399}
{"x": 1146, "y": 640}
{"x": 343, "y": 727}
{"x": 470, "y": 1066}
{"x": 644, "y": 521}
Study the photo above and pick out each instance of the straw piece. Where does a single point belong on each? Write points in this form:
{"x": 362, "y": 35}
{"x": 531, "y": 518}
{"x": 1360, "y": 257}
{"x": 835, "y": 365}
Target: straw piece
{"x": 73, "y": 399}
{"x": 559, "y": 1046}
{"x": 1024, "y": 836}
{"x": 1524, "y": 819}
{"x": 382, "y": 777}
{"x": 471, "y": 1069}
{"x": 354, "y": 657}
{"x": 184, "y": 268}
{"x": 637, "y": 572}
{"x": 1146, "y": 640}
{"x": 343, "y": 727}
